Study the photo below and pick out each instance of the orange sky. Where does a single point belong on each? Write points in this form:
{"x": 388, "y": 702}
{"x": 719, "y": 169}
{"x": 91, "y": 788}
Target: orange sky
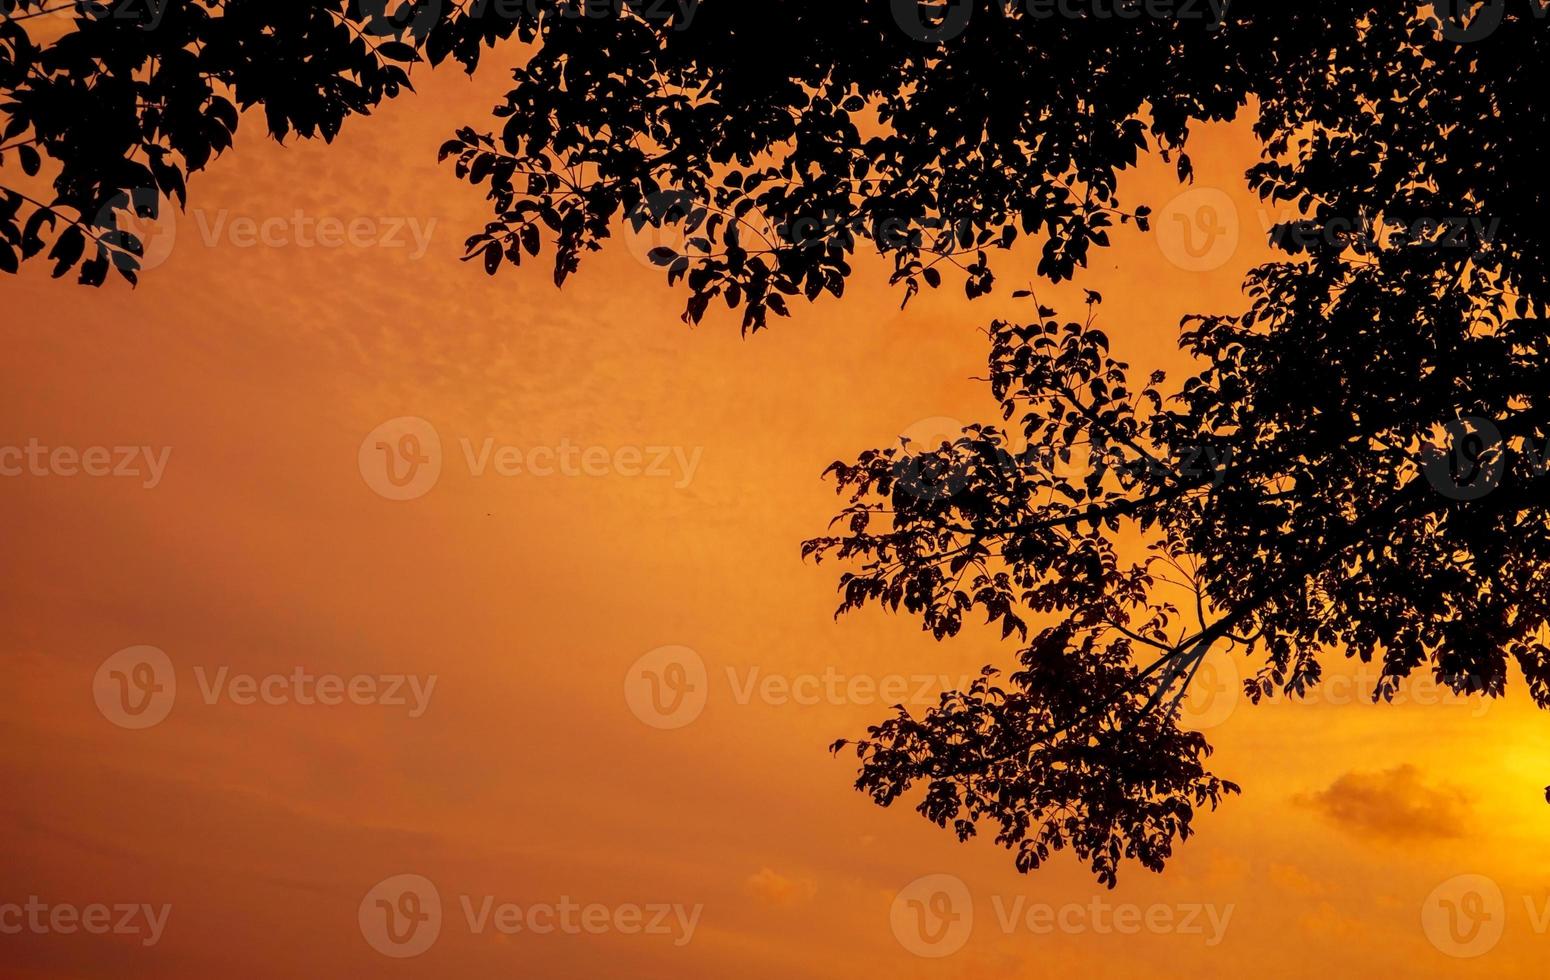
{"x": 532, "y": 776}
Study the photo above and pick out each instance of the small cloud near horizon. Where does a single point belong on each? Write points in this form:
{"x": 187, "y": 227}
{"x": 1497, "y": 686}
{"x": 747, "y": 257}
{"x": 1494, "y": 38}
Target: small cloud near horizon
{"x": 777, "y": 889}
{"x": 1395, "y": 804}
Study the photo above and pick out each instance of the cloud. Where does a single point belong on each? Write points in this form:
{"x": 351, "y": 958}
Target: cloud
{"x": 777, "y": 889}
{"x": 1326, "y": 921}
{"x": 1396, "y": 804}
{"x": 1293, "y": 879}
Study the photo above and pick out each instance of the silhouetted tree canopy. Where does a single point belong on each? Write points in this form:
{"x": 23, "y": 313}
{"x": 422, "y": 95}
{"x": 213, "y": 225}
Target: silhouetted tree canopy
{"x": 1354, "y": 467}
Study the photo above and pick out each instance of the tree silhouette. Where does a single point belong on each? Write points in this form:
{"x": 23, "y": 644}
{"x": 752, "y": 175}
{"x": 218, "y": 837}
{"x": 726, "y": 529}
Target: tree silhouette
{"x": 1349, "y": 468}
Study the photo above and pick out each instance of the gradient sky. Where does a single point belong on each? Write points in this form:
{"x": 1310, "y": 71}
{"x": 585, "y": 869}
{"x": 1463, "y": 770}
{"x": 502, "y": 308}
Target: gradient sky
{"x": 532, "y": 599}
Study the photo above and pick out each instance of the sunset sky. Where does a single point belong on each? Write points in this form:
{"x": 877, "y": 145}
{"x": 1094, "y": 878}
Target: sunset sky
{"x": 531, "y": 609}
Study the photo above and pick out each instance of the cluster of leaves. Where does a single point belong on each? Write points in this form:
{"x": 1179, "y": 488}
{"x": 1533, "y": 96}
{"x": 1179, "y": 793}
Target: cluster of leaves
{"x": 779, "y": 141}
{"x": 1081, "y": 747}
{"x": 1325, "y": 526}
{"x": 132, "y": 97}
{"x": 114, "y": 103}
{"x": 794, "y": 133}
